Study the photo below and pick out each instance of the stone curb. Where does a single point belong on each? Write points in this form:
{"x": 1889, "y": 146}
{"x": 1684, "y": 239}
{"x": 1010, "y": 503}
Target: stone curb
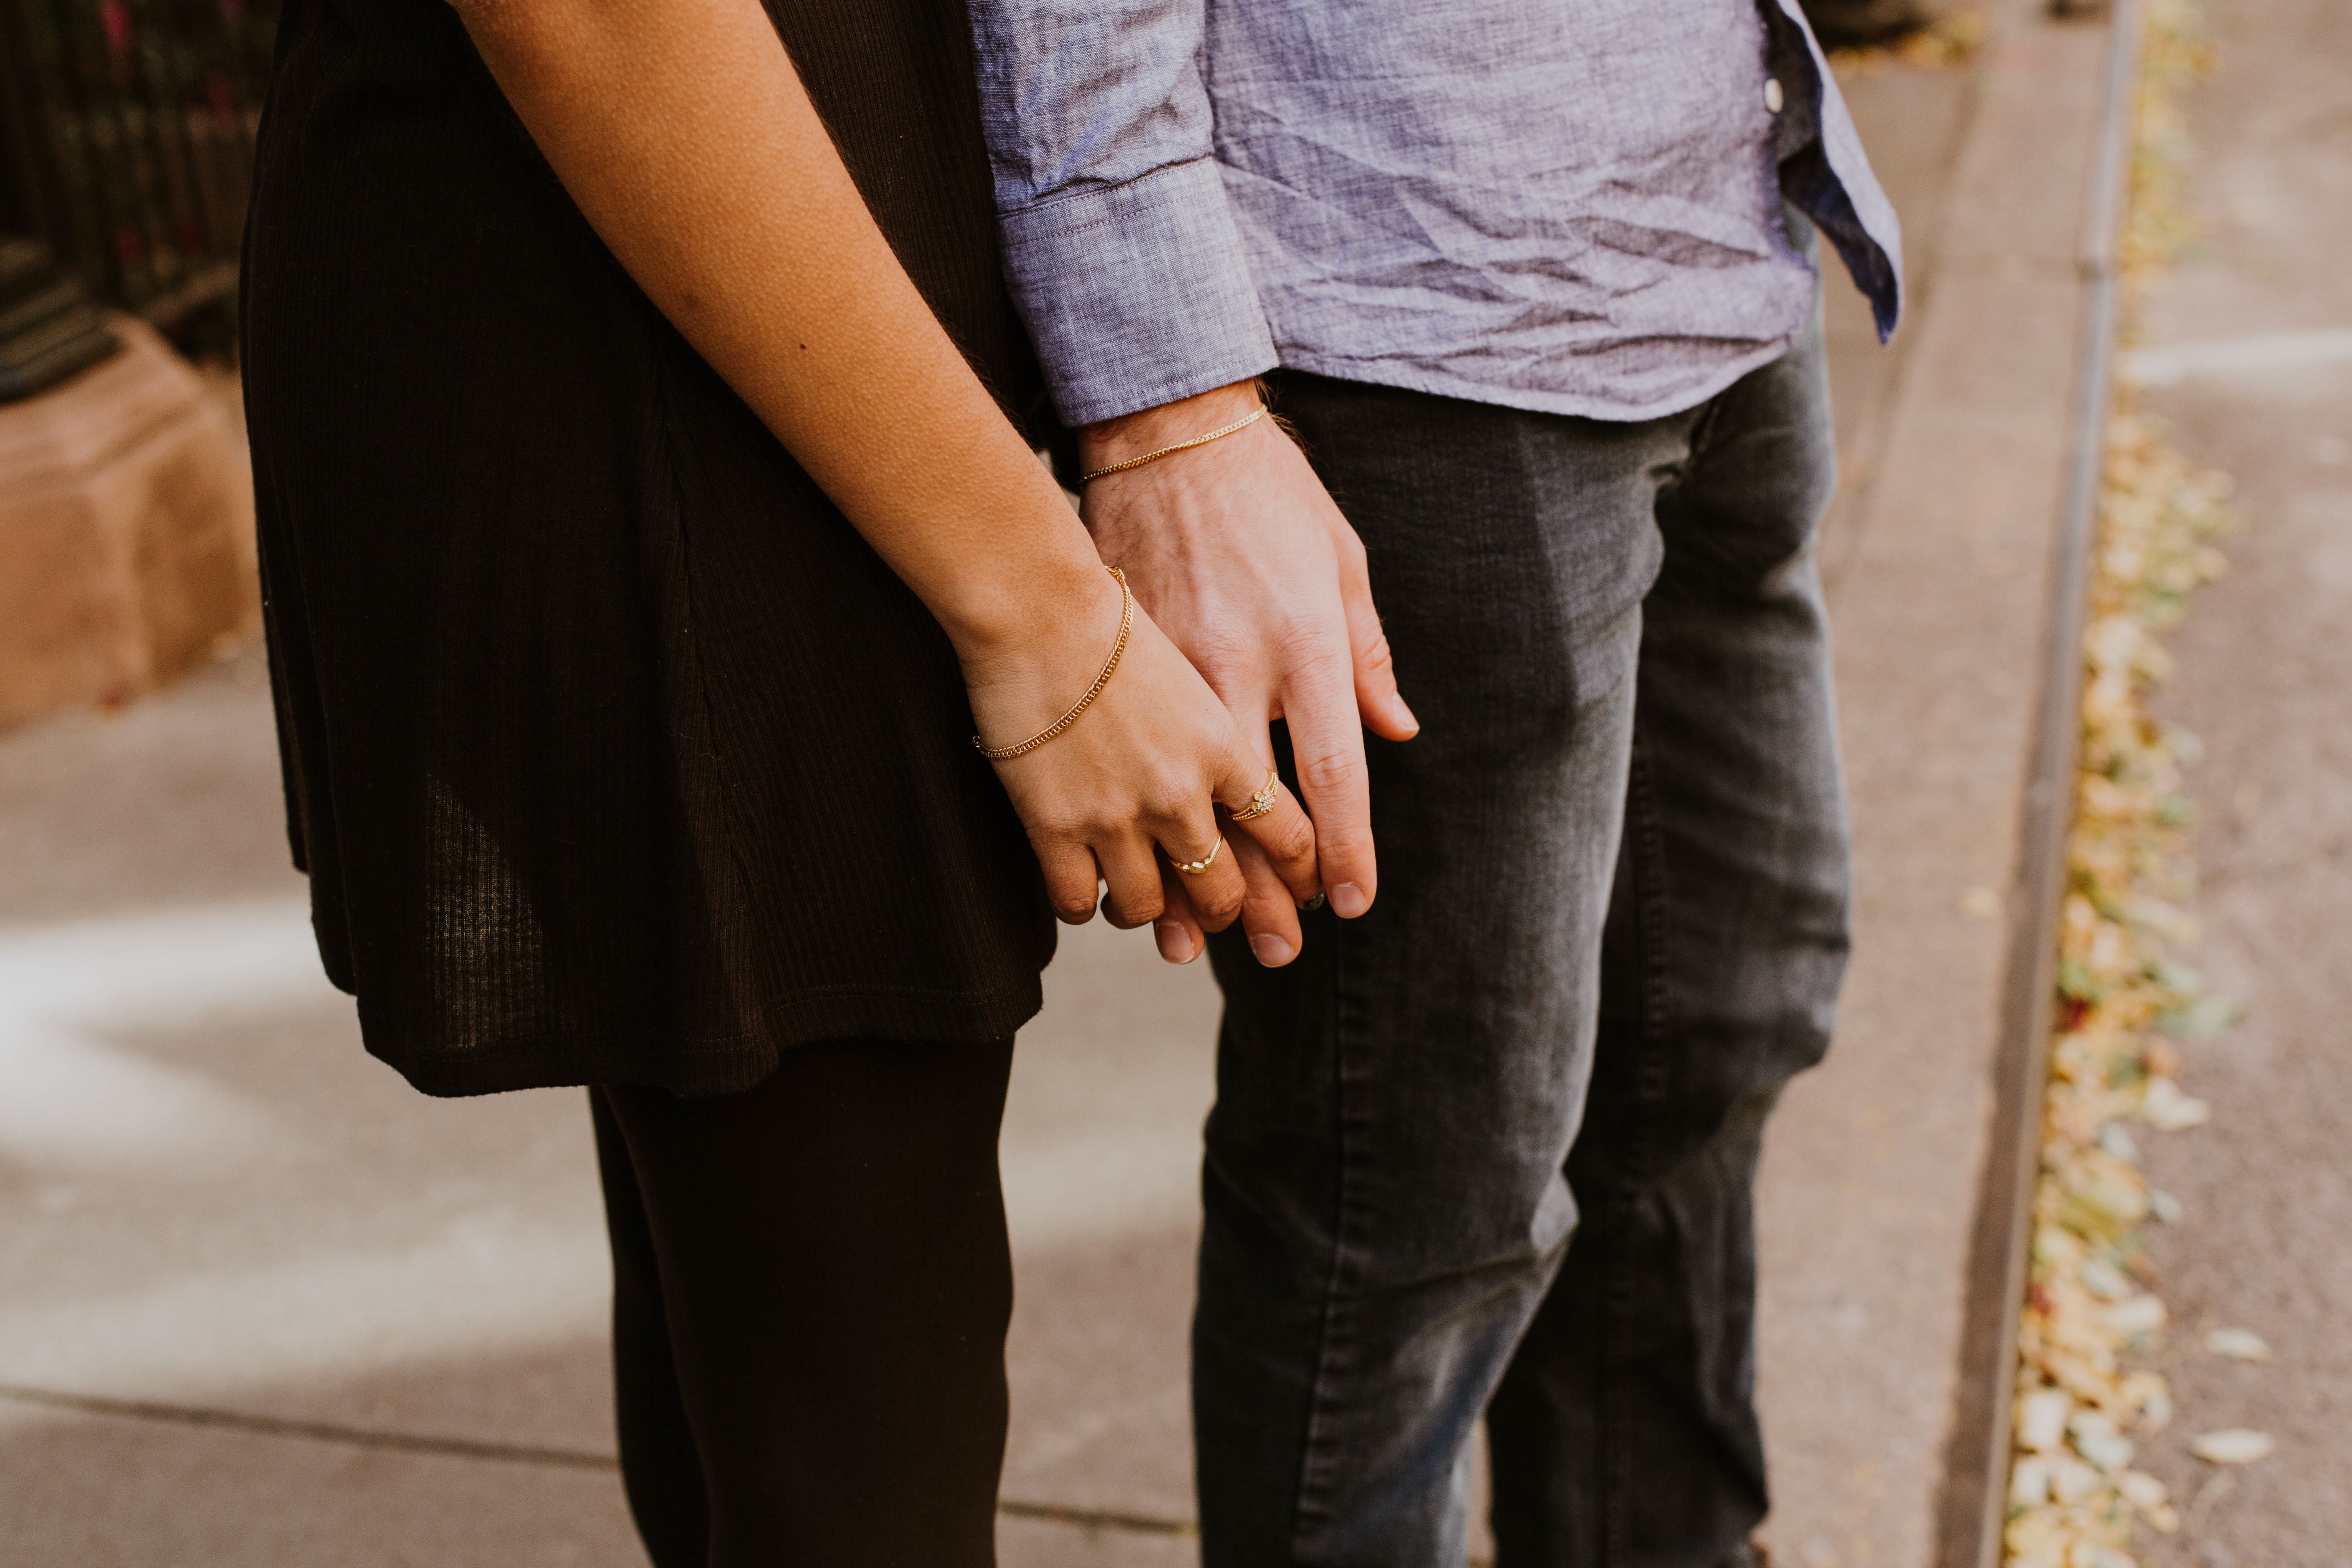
{"x": 1976, "y": 1458}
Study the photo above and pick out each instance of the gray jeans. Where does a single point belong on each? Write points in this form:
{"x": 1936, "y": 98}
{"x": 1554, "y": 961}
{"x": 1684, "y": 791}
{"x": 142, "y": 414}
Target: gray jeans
{"x": 1489, "y": 1149}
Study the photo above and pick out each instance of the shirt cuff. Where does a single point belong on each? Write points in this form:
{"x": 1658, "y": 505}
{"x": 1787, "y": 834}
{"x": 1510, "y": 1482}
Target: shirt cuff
{"x": 1137, "y": 294}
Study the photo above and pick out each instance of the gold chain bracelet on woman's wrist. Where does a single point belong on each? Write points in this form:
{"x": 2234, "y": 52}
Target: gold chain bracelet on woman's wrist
{"x": 1234, "y": 428}
{"x": 1126, "y": 625}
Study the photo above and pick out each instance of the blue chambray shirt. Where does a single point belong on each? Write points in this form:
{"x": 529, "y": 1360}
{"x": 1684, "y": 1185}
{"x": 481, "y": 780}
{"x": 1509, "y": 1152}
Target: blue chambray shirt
{"x": 1567, "y": 206}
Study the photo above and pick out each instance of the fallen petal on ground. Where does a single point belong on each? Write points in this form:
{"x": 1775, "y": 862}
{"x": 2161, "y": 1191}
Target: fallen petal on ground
{"x": 2233, "y": 1446}
{"x": 2164, "y": 1108}
{"x": 2238, "y": 1344}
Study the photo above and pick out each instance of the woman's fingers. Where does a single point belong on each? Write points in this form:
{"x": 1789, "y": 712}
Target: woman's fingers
{"x": 1129, "y": 800}
{"x": 1214, "y": 892}
{"x": 1284, "y": 833}
{"x": 1133, "y": 897}
{"x": 1071, "y": 878}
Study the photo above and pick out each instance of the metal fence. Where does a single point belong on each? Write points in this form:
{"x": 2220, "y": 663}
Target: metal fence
{"x": 129, "y": 128}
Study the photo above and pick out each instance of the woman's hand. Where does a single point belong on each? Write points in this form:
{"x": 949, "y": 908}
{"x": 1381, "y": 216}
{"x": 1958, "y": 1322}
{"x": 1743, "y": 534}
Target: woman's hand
{"x": 1132, "y": 787}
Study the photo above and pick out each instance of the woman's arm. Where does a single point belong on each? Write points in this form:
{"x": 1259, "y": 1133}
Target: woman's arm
{"x": 682, "y": 131}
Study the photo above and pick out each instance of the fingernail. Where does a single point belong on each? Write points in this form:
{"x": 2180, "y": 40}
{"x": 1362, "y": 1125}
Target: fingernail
{"x": 1347, "y": 901}
{"x": 1311, "y": 905}
{"x": 1406, "y": 714}
{"x": 1175, "y": 942}
{"x": 1271, "y": 950}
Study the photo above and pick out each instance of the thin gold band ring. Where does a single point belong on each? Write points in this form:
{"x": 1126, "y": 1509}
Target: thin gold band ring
{"x": 1195, "y": 867}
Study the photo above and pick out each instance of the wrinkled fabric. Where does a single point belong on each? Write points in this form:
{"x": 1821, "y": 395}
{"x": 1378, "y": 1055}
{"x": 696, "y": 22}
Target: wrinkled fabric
{"x": 1570, "y": 206}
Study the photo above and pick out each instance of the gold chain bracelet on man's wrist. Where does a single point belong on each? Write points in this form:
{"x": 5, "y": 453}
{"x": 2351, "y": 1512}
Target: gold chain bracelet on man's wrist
{"x": 1218, "y": 434}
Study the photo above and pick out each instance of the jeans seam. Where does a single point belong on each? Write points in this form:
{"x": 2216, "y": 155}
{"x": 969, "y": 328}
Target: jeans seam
{"x": 1650, "y": 915}
{"x": 1314, "y": 1471}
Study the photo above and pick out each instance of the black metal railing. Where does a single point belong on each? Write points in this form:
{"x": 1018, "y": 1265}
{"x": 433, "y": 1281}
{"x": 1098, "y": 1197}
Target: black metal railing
{"x": 129, "y": 127}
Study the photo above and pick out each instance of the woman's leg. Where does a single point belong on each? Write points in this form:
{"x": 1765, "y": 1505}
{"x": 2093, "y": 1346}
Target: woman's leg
{"x": 659, "y": 1465}
{"x": 834, "y": 1282}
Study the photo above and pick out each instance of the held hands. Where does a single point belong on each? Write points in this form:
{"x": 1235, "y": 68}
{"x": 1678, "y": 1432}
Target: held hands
{"x": 1237, "y": 550}
{"x": 1130, "y": 788}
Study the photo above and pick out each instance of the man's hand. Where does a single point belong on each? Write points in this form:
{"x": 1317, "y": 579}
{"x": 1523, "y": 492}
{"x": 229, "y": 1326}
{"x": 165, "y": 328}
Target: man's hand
{"x": 1239, "y": 554}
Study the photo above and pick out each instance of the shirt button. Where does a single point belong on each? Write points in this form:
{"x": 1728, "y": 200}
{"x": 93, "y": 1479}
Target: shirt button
{"x": 1772, "y": 100}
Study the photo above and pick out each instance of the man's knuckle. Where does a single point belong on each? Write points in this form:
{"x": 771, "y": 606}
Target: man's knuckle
{"x": 1310, "y": 644}
{"x": 1221, "y": 656}
{"x": 1333, "y": 765}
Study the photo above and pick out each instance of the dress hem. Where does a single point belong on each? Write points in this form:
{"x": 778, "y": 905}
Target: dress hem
{"x": 717, "y": 1067}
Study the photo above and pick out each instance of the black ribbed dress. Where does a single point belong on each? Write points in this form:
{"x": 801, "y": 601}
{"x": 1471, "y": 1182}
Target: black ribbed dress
{"x": 613, "y": 754}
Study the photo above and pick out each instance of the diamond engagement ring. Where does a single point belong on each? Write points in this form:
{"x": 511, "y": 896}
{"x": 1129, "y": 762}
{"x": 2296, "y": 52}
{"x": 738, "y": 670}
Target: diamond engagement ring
{"x": 1263, "y": 801}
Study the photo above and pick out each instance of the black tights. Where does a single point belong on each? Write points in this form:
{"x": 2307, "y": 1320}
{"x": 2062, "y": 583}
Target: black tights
{"x": 811, "y": 1289}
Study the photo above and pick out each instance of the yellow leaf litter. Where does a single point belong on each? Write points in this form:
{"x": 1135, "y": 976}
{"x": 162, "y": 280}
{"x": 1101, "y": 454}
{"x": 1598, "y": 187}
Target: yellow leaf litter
{"x": 2082, "y": 1405}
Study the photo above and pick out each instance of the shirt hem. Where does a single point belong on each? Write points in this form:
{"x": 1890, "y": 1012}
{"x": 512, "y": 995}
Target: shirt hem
{"x": 1532, "y": 400}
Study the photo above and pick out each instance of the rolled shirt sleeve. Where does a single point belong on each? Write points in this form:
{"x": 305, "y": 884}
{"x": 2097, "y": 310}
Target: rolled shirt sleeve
{"x": 1122, "y": 254}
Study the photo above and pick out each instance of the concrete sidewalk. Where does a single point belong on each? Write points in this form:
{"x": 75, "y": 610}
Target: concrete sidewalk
{"x": 264, "y": 1305}
{"x": 1940, "y": 560}
{"x": 2251, "y": 347}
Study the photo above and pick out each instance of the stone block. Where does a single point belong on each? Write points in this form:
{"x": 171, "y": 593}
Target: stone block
{"x": 126, "y": 533}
